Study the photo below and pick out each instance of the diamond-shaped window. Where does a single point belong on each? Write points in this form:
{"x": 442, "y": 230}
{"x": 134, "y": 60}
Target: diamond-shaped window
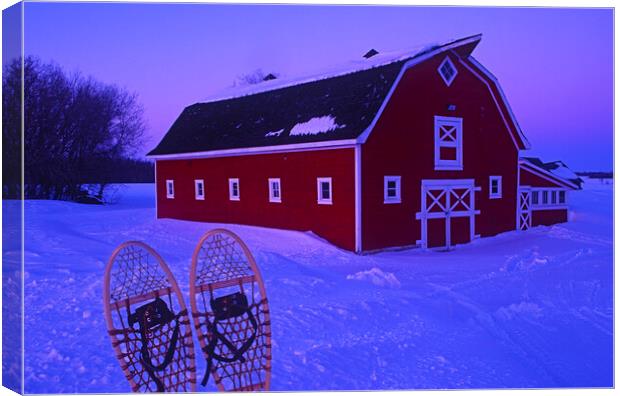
{"x": 447, "y": 70}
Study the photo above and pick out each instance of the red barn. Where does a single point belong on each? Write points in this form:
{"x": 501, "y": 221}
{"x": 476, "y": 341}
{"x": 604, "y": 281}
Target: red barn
{"x": 419, "y": 148}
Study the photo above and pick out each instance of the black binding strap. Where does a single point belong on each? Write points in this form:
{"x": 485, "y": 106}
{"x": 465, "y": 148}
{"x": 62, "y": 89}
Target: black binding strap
{"x": 227, "y": 307}
{"x": 151, "y": 317}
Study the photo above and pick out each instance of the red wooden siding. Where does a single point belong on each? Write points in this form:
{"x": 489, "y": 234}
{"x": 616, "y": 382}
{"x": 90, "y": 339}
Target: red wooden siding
{"x": 530, "y": 179}
{"x": 402, "y": 143}
{"x": 549, "y": 217}
{"x": 298, "y": 172}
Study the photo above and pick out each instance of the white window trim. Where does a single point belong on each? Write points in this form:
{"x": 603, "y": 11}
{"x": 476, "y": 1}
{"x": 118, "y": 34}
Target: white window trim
{"x": 230, "y": 189}
{"x": 387, "y": 199}
{"x": 456, "y": 164}
{"x": 169, "y": 183}
{"x": 565, "y": 197}
{"x": 498, "y": 194}
{"x": 320, "y": 200}
{"x": 538, "y": 197}
{"x": 198, "y": 182}
{"x": 270, "y": 181}
{"x": 550, "y": 205}
{"x": 447, "y": 60}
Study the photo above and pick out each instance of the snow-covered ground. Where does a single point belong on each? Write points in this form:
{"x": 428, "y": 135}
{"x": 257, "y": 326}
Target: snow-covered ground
{"x": 519, "y": 310}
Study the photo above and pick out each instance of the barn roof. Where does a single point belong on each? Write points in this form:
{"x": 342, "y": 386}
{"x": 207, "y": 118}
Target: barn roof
{"x": 338, "y": 104}
{"x": 557, "y": 169}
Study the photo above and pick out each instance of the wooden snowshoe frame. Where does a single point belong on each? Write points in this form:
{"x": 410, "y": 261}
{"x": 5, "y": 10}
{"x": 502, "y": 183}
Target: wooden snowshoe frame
{"x": 135, "y": 275}
{"x": 223, "y": 264}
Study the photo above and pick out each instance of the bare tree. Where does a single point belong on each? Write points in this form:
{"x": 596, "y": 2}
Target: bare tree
{"x": 74, "y": 129}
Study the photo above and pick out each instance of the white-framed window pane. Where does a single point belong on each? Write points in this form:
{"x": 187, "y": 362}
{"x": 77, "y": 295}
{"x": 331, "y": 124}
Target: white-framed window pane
{"x": 447, "y": 70}
{"x": 324, "y": 190}
{"x": 275, "y": 194}
{"x": 535, "y": 197}
{"x": 554, "y": 197}
{"x": 199, "y": 189}
{"x": 562, "y": 196}
{"x": 391, "y": 189}
{"x": 495, "y": 187}
{"x": 169, "y": 188}
{"x": 545, "y": 197}
{"x": 448, "y": 150}
{"x": 233, "y": 189}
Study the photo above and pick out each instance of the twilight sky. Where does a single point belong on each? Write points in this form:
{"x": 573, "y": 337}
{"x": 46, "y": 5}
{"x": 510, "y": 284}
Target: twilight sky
{"x": 555, "y": 65}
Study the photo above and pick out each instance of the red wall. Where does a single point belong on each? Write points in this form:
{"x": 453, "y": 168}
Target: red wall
{"x": 532, "y": 180}
{"x": 402, "y": 143}
{"x": 298, "y": 172}
{"x": 548, "y": 217}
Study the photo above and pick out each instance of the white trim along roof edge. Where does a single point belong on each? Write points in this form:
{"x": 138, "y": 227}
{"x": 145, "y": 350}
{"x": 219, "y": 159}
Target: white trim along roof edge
{"x": 330, "y": 144}
{"x": 545, "y": 173}
{"x": 364, "y": 135}
{"x": 491, "y": 76}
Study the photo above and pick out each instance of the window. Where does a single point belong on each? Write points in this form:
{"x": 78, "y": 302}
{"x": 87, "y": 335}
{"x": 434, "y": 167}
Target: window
{"x": 447, "y": 70}
{"x": 548, "y": 198}
{"x": 448, "y": 143}
{"x": 199, "y": 189}
{"x": 170, "y": 189}
{"x": 233, "y": 189}
{"x": 495, "y": 187}
{"x": 275, "y": 194}
{"x": 324, "y": 190}
{"x": 391, "y": 189}
{"x": 562, "y": 196}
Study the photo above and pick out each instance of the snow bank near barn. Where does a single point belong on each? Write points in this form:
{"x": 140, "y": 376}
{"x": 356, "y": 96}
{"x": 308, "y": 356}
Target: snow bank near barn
{"x": 376, "y": 277}
{"x": 315, "y": 125}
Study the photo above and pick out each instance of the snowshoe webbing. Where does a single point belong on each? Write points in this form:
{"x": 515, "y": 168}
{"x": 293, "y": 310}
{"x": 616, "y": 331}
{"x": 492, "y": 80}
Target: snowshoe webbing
{"x": 227, "y": 307}
{"x": 151, "y": 317}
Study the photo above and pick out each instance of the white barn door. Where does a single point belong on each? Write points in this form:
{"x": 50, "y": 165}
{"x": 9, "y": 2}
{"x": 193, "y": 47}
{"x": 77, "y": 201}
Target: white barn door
{"x": 447, "y": 212}
{"x": 525, "y": 208}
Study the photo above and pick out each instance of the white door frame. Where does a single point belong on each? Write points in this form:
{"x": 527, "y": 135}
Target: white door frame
{"x": 524, "y": 208}
{"x": 445, "y": 188}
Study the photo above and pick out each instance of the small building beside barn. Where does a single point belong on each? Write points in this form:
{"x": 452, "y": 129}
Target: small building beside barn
{"x": 546, "y": 188}
{"x": 412, "y": 149}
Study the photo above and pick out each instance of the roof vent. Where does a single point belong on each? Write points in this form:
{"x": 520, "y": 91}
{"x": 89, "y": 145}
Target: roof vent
{"x": 371, "y": 53}
{"x": 269, "y": 77}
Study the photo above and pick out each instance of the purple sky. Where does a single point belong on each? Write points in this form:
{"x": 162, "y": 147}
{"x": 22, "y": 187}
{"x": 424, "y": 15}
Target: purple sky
{"x": 555, "y": 65}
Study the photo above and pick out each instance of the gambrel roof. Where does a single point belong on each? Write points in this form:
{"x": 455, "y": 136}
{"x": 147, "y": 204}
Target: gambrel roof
{"x": 333, "y": 107}
{"x": 267, "y": 118}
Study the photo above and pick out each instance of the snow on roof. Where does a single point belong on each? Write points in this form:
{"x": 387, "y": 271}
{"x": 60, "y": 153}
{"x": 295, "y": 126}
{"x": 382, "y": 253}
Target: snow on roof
{"x": 351, "y": 66}
{"x": 315, "y": 125}
{"x": 274, "y": 133}
{"x": 563, "y": 172}
{"x": 557, "y": 169}
{"x": 253, "y": 115}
